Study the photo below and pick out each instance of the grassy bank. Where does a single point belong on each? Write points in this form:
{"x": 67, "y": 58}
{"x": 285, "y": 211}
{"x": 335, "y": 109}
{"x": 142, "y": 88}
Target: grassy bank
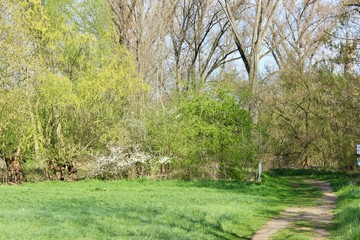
{"x": 347, "y": 219}
{"x": 144, "y": 209}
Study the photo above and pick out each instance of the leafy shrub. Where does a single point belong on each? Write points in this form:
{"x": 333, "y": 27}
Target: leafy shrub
{"x": 209, "y": 135}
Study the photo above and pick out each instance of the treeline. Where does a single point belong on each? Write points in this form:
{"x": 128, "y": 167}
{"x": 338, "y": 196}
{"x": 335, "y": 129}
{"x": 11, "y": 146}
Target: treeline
{"x": 183, "y": 89}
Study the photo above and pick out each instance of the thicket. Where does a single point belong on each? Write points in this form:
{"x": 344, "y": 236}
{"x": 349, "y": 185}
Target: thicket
{"x": 206, "y": 134}
{"x": 73, "y": 99}
{"x": 64, "y": 87}
{"x": 198, "y": 134}
{"x": 74, "y": 102}
{"x": 312, "y": 120}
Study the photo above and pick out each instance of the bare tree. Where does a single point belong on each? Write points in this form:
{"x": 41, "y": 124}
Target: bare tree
{"x": 298, "y": 42}
{"x": 299, "y": 34}
{"x": 176, "y": 44}
{"x": 353, "y": 3}
{"x": 198, "y": 35}
{"x": 141, "y": 26}
{"x": 250, "y": 22}
{"x": 347, "y": 36}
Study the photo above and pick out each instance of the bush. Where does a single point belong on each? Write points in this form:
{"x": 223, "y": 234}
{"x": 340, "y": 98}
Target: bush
{"x": 208, "y": 134}
{"x": 126, "y": 162}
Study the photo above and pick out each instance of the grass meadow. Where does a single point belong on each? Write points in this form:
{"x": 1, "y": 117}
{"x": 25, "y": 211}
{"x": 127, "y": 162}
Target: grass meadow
{"x": 144, "y": 209}
{"x": 169, "y": 209}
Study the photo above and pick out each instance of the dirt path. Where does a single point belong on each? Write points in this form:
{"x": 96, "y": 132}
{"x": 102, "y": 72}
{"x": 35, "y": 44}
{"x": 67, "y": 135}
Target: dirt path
{"x": 320, "y": 215}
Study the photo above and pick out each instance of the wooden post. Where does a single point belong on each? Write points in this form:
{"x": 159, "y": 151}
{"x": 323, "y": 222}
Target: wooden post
{"x": 260, "y": 171}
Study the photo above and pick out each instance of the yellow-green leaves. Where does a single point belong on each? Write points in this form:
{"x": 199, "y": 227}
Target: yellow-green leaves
{"x": 57, "y": 91}
{"x": 64, "y": 84}
{"x": 33, "y": 16}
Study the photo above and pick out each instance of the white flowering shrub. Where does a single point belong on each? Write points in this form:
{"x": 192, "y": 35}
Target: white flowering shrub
{"x": 122, "y": 162}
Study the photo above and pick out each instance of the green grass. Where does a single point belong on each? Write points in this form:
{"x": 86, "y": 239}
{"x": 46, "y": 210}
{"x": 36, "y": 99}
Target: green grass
{"x": 347, "y": 218}
{"x": 144, "y": 209}
{"x": 298, "y": 230}
{"x": 294, "y": 233}
{"x": 346, "y": 224}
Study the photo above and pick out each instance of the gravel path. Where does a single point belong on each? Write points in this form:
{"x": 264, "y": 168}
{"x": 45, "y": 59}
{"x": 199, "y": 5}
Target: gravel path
{"x": 320, "y": 215}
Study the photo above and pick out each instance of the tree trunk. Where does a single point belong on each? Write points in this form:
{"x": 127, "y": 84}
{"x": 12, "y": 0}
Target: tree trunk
{"x": 251, "y": 59}
{"x": 14, "y": 168}
{"x": 55, "y": 168}
{"x": 254, "y": 87}
{"x": 350, "y": 54}
{"x": 305, "y": 164}
{"x": 72, "y": 168}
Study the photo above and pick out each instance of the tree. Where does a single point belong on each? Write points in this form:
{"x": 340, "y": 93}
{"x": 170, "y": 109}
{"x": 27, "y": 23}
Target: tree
{"x": 295, "y": 117}
{"x": 298, "y": 43}
{"x": 198, "y": 35}
{"x": 312, "y": 119}
{"x": 84, "y": 93}
{"x": 142, "y": 26}
{"x": 345, "y": 39}
{"x": 177, "y": 45}
{"x": 16, "y": 72}
{"x": 74, "y": 83}
{"x": 250, "y": 21}
{"x": 298, "y": 36}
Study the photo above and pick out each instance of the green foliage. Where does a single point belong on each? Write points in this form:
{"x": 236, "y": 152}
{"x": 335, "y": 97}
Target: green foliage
{"x": 15, "y": 125}
{"x": 84, "y": 95}
{"x": 80, "y": 84}
{"x": 66, "y": 87}
{"x": 312, "y": 119}
{"x": 209, "y": 135}
{"x": 339, "y": 105}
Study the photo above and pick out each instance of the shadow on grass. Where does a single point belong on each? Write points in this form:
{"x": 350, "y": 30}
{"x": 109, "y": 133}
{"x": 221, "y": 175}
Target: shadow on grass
{"x": 336, "y": 179}
{"x": 347, "y": 186}
{"x": 140, "y": 221}
{"x": 290, "y": 189}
